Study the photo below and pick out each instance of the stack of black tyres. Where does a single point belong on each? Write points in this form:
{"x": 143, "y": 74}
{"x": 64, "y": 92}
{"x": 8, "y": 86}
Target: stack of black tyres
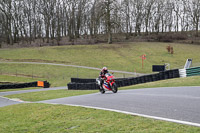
{"x": 23, "y": 85}
{"x": 82, "y": 84}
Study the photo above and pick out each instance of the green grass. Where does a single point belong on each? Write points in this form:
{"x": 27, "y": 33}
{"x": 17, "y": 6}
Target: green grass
{"x": 56, "y": 75}
{"x": 116, "y": 56}
{"x": 30, "y": 88}
{"x": 16, "y": 79}
{"x": 46, "y": 118}
{"x": 52, "y": 94}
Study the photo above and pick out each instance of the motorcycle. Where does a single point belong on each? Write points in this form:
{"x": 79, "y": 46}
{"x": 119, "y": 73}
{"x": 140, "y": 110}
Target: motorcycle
{"x": 108, "y": 84}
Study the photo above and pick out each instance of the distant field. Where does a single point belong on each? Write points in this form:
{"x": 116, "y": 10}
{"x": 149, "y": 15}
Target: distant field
{"x": 115, "y": 56}
{"x": 56, "y": 75}
{"x": 124, "y": 57}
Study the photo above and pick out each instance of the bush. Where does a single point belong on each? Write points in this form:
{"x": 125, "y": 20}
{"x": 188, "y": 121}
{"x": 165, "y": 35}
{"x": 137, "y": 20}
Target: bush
{"x": 170, "y": 37}
{"x": 166, "y": 37}
{"x": 179, "y": 36}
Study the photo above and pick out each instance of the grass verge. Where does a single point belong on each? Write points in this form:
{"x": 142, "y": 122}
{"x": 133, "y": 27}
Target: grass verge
{"x": 176, "y": 82}
{"x": 60, "y": 118}
{"x": 52, "y": 94}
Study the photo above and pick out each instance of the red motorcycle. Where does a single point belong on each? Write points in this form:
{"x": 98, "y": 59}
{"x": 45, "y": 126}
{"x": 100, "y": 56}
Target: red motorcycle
{"x": 108, "y": 84}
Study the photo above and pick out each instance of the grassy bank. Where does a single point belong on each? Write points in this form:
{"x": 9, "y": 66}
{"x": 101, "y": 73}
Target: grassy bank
{"x": 59, "y": 118}
{"x": 17, "y": 79}
{"x": 116, "y": 56}
{"x": 56, "y": 75}
{"x": 125, "y": 57}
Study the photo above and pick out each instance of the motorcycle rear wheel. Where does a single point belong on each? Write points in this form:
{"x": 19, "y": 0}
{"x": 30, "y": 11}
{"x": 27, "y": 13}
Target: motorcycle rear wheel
{"x": 114, "y": 88}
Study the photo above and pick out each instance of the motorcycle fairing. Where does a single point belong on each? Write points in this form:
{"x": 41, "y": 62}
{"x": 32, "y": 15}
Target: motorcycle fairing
{"x": 106, "y": 86}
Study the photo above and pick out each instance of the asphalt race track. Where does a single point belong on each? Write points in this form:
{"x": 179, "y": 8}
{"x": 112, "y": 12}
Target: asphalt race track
{"x": 176, "y": 104}
{"x": 6, "y": 102}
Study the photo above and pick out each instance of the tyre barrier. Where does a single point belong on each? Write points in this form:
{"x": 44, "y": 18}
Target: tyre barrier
{"x": 83, "y": 86}
{"x": 79, "y": 80}
{"x": 86, "y": 84}
{"x": 43, "y": 84}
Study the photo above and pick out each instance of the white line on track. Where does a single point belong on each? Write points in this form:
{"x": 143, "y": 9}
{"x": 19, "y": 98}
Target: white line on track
{"x": 135, "y": 114}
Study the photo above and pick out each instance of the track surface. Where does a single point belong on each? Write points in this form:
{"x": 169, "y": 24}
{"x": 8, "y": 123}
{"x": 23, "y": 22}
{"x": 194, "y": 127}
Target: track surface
{"x": 5, "y": 101}
{"x": 177, "y": 103}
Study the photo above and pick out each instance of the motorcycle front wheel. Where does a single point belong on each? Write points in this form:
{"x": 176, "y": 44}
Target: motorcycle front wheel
{"x": 114, "y": 88}
{"x": 101, "y": 90}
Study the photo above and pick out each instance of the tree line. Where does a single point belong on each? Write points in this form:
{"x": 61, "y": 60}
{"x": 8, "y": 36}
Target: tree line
{"x": 52, "y": 19}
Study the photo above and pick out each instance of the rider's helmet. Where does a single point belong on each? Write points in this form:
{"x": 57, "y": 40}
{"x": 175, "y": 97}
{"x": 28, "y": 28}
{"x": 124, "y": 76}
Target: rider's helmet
{"x": 105, "y": 69}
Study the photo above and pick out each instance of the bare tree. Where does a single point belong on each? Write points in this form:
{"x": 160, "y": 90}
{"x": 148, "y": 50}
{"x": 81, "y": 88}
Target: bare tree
{"x": 6, "y": 9}
{"x": 138, "y": 14}
{"x": 148, "y": 10}
{"x": 51, "y": 20}
{"x": 194, "y": 11}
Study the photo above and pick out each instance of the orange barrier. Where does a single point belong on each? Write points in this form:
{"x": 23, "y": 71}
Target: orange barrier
{"x": 40, "y": 83}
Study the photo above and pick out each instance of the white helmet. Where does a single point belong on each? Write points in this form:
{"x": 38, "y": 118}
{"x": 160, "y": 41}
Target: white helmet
{"x": 104, "y": 68}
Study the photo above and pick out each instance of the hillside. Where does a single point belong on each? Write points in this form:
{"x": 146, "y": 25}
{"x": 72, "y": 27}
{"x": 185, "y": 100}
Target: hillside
{"x": 124, "y": 57}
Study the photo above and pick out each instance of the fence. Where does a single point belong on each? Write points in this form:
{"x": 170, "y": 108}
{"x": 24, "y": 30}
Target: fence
{"x": 194, "y": 71}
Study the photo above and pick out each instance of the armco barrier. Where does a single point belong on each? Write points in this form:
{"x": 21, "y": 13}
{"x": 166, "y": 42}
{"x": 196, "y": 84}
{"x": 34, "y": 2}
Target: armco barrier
{"x": 87, "y": 84}
{"x": 25, "y": 85}
{"x": 194, "y": 71}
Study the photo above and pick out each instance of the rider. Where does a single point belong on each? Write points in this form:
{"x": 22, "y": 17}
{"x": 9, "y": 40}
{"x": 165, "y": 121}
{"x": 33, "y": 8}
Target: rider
{"x": 102, "y": 75}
